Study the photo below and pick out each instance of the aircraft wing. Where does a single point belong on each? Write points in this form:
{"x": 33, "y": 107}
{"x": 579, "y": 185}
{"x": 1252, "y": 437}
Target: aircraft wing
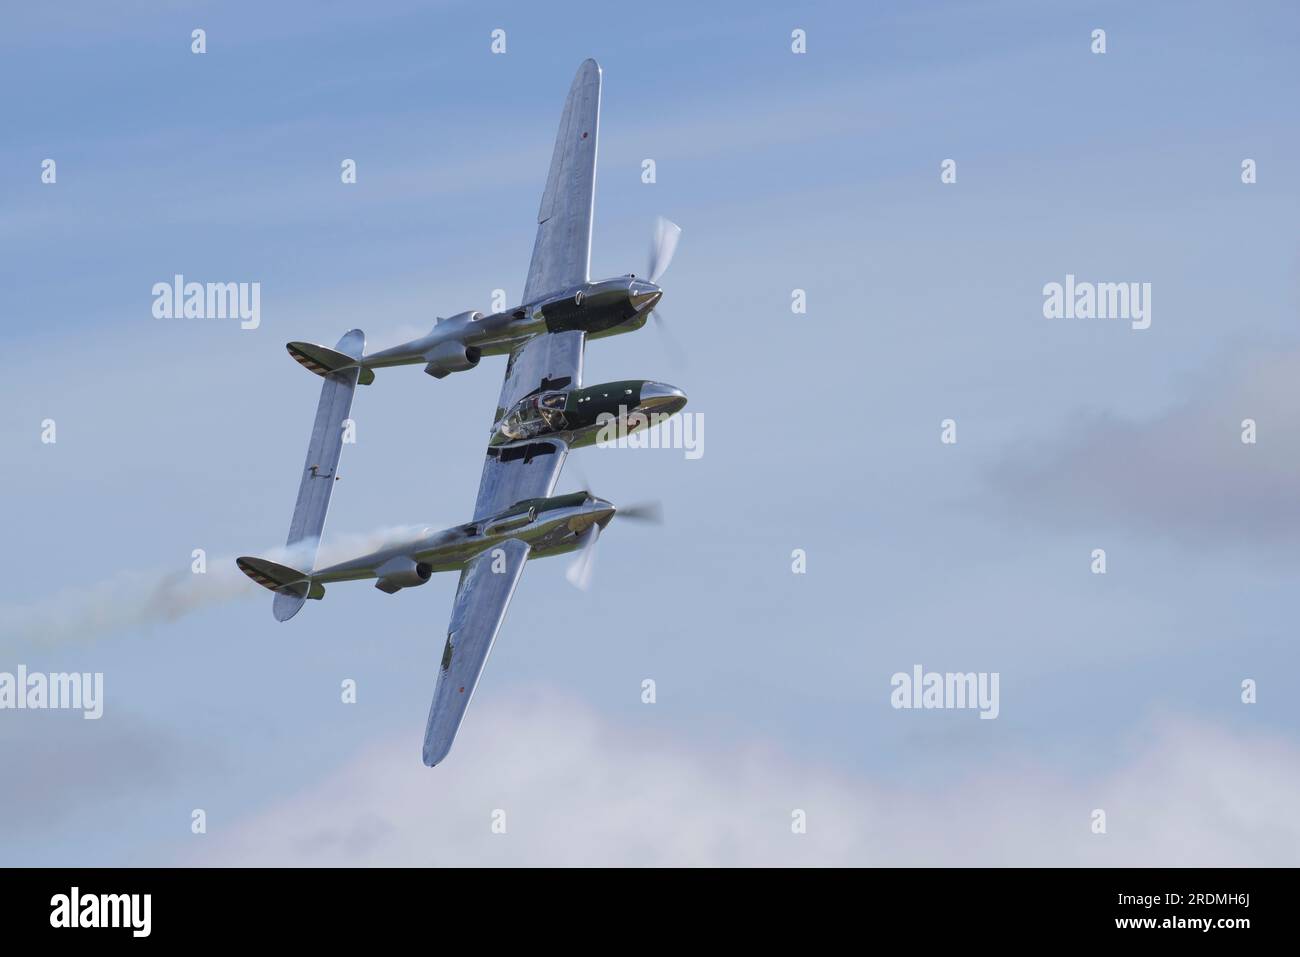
{"x": 561, "y": 256}
{"x": 510, "y": 474}
{"x": 549, "y": 362}
{"x": 514, "y": 474}
{"x": 481, "y": 601}
{"x": 562, "y": 251}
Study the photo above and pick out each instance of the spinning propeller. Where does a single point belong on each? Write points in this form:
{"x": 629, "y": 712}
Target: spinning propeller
{"x": 662, "y": 247}
{"x": 580, "y": 569}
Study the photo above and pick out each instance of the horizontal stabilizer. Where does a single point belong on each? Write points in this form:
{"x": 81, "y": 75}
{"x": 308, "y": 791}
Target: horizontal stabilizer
{"x": 323, "y": 360}
{"x": 320, "y": 470}
{"x": 273, "y": 576}
{"x": 338, "y": 367}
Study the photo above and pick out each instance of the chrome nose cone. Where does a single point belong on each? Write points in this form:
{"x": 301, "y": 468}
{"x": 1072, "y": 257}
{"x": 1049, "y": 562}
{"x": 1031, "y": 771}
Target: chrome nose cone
{"x": 644, "y": 296}
{"x": 661, "y": 398}
{"x": 600, "y": 511}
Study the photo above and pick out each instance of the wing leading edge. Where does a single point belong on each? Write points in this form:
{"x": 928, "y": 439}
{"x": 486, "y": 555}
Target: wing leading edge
{"x": 562, "y": 251}
{"x": 481, "y": 600}
{"x": 549, "y": 362}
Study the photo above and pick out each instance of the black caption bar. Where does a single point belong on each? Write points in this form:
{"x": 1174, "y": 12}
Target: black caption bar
{"x": 335, "y": 906}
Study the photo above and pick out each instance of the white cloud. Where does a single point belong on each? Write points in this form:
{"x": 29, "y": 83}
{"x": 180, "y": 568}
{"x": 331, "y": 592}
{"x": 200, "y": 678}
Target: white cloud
{"x": 579, "y": 791}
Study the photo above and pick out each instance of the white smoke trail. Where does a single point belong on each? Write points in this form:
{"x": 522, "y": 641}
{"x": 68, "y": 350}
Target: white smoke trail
{"x": 135, "y": 599}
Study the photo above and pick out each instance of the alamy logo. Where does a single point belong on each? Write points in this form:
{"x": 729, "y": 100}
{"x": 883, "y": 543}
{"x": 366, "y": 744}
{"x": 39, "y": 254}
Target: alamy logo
{"x": 179, "y": 299}
{"x": 1100, "y": 300}
{"x": 946, "y": 690}
{"x": 60, "y": 691}
{"x": 636, "y": 430}
{"x": 103, "y": 910}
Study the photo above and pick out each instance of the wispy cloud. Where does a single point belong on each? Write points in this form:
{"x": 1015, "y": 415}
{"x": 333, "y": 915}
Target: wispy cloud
{"x": 577, "y": 790}
{"x": 1184, "y": 474}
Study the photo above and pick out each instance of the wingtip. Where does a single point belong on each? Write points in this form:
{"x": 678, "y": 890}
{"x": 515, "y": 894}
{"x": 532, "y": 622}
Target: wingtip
{"x": 434, "y": 752}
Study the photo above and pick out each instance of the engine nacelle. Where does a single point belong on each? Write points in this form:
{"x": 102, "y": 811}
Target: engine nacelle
{"x": 402, "y": 572}
{"x": 451, "y": 356}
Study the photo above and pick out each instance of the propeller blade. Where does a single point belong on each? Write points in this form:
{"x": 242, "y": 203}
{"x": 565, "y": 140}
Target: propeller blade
{"x": 652, "y": 512}
{"x": 662, "y": 248}
{"x": 676, "y": 354}
{"x": 579, "y": 473}
{"x": 578, "y": 574}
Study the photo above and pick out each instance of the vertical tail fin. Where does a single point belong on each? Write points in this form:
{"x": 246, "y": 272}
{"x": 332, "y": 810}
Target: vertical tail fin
{"x": 292, "y": 587}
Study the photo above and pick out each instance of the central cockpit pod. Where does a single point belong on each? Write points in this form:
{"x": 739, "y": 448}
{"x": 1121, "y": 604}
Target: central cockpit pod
{"x": 534, "y": 415}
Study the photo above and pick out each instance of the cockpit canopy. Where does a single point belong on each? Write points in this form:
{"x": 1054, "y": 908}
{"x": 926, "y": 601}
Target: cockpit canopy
{"x": 534, "y": 415}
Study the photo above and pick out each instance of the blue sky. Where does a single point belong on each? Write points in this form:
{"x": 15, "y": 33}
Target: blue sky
{"x": 818, "y": 172}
